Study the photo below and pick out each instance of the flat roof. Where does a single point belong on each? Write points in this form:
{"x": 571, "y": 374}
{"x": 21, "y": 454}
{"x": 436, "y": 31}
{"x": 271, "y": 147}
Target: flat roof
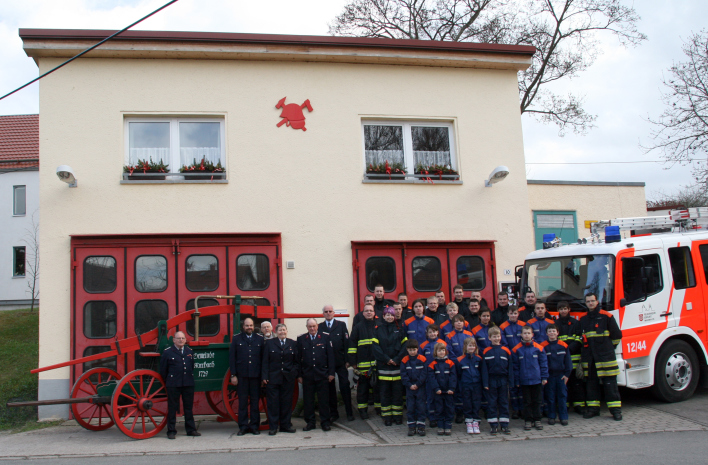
{"x": 40, "y": 43}
{"x": 585, "y": 183}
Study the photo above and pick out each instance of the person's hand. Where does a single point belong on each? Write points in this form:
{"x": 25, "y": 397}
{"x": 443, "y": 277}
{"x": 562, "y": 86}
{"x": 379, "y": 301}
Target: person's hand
{"x": 264, "y": 382}
{"x": 451, "y": 392}
{"x": 487, "y": 388}
{"x": 414, "y": 387}
{"x": 565, "y": 379}
{"x": 391, "y": 362}
{"x": 438, "y": 392}
{"x": 330, "y": 378}
{"x": 543, "y": 383}
{"x": 234, "y": 380}
{"x": 356, "y": 372}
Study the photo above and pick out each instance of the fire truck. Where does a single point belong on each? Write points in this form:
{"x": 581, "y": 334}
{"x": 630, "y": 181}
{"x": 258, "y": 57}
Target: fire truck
{"x": 654, "y": 282}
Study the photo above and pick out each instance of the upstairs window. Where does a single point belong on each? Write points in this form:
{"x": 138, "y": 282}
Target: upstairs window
{"x": 19, "y": 200}
{"x": 185, "y": 149}
{"x": 414, "y": 150}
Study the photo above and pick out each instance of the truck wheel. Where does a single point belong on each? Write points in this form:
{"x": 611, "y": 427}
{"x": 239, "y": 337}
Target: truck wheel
{"x": 676, "y": 372}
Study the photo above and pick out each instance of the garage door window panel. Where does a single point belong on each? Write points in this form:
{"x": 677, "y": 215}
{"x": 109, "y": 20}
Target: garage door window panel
{"x": 470, "y": 273}
{"x": 427, "y": 274}
{"x": 100, "y": 274}
{"x": 100, "y": 319}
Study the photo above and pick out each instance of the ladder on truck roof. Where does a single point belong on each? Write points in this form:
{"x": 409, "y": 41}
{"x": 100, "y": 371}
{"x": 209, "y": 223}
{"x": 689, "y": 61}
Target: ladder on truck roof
{"x": 678, "y": 220}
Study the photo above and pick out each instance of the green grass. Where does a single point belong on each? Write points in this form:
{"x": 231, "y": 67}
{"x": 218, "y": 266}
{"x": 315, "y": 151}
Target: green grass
{"x": 19, "y": 352}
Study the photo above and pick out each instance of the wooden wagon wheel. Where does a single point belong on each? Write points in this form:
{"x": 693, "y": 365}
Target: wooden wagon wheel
{"x": 215, "y": 399}
{"x": 139, "y": 404}
{"x": 230, "y": 398}
{"x": 86, "y": 413}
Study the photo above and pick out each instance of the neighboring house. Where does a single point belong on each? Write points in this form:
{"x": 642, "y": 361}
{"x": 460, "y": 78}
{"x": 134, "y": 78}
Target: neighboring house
{"x": 19, "y": 202}
{"x": 290, "y": 128}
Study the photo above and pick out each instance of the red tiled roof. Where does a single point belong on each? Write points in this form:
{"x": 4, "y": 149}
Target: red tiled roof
{"x": 19, "y": 142}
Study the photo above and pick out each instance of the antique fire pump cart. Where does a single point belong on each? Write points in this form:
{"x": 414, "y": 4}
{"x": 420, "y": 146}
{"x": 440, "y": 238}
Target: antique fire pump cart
{"x": 137, "y": 402}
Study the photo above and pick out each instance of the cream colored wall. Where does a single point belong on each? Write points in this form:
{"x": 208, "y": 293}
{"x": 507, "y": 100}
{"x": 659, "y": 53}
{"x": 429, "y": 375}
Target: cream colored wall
{"x": 590, "y": 202}
{"x": 306, "y": 185}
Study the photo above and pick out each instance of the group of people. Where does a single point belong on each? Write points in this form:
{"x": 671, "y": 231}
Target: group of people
{"x": 452, "y": 362}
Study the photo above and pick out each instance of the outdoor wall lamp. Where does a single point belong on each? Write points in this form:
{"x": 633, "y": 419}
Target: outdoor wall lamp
{"x": 499, "y": 173}
{"x": 66, "y": 174}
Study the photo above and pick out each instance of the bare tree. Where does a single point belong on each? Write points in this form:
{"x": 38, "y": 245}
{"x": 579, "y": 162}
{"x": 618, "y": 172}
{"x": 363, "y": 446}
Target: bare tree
{"x": 31, "y": 238}
{"x": 685, "y": 197}
{"x": 681, "y": 132}
{"x": 565, "y": 33}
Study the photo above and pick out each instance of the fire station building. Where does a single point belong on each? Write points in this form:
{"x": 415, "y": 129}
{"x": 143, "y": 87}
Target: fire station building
{"x": 299, "y": 170}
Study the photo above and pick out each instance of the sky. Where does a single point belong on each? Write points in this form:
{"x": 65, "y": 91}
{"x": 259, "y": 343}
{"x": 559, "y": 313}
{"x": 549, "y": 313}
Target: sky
{"x": 623, "y": 87}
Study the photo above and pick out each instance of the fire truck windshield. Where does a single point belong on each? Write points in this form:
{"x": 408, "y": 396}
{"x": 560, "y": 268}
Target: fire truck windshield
{"x": 570, "y": 278}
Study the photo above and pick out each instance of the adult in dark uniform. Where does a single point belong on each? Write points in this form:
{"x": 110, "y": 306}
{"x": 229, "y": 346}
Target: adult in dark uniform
{"x": 463, "y": 304}
{"x": 407, "y": 311}
{"x": 176, "y": 367}
{"x": 245, "y": 357}
{"x": 279, "y": 371}
{"x": 359, "y": 317}
{"x": 317, "y": 371}
{"x": 501, "y": 313}
{"x": 339, "y": 337}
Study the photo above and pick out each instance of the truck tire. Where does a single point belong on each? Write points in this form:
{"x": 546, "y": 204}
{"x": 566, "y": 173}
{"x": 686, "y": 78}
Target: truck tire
{"x": 676, "y": 373}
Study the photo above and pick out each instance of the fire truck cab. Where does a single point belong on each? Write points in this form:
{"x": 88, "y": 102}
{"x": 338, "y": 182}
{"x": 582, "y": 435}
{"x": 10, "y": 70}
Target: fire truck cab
{"x": 655, "y": 285}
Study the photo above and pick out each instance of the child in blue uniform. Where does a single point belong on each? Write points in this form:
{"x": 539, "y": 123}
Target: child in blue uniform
{"x": 559, "y": 368}
{"x": 455, "y": 343}
{"x": 413, "y": 377}
{"x": 471, "y": 369}
{"x": 480, "y": 332}
{"x": 511, "y": 336}
{"x": 442, "y": 378}
{"x": 427, "y": 349}
{"x": 539, "y": 323}
{"x": 499, "y": 376}
{"x": 531, "y": 374}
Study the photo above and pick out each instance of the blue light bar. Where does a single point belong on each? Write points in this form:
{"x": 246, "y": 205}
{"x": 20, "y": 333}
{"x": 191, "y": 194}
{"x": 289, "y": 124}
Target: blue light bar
{"x": 549, "y": 237}
{"x": 612, "y": 234}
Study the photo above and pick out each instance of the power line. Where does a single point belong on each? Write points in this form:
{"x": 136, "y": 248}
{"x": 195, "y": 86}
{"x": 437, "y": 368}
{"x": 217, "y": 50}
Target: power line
{"x": 602, "y": 162}
{"x": 89, "y": 49}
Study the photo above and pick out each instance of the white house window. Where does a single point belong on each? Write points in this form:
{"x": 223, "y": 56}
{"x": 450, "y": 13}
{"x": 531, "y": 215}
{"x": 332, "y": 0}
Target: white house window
{"x": 19, "y": 200}
{"x": 397, "y": 150}
{"x": 179, "y": 148}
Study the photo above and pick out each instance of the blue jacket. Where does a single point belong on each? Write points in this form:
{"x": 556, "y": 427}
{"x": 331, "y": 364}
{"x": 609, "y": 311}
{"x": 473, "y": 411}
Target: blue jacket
{"x": 530, "y": 364}
{"x": 455, "y": 342}
{"x": 558, "y": 354}
{"x": 245, "y": 355}
{"x": 426, "y": 349}
{"x": 415, "y": 327}
{"x": 448, "y": 326}
{"x": 481, "y": 334}
{"x": 442, "y": 375}
{"x": 511, "y": 333}
{"x": 470, "y": 370}
{"x": 539, "y": 328}
{"x": 177, "y": 369}
{"x": 413, "y": 371}
{"x": 498, "y": 362}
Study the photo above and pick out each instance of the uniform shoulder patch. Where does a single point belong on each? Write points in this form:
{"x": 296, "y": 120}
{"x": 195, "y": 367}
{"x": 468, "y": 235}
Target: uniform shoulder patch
{"x": 444, "y": 323}
{"x": 544, "y": 343}
{"x": 506, "y": 349}
{"x": 432, "y": 365}
{"x": 476, "y": 328}
{"x": 504, "y": 325}
{"x": 459, "y": 359}
{"x": 467, "y": 333}
{"x": 549, "y": 321}
{"x": 561, "y": 343}
{"x": 450, "y": 362}
{"x": 424, "y": 344}
{"x": 538, "y": 346}
{"x": 409, "y": 320}
{"x": 422, "y": 358}
{"x": 531, "y": 321}
{"x": 405, "y": 359}
{"x": 605, "y": 312}
{"x": 521, "y": 323}
{"x": 429, "y": 320}
{"x": 516, "y": 347}
{"x": 487, "y": 349}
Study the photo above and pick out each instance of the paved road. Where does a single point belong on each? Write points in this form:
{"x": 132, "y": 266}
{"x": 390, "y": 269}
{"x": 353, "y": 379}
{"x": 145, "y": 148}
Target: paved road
{"x": 694, "y": 409}
{"x": 645, "y": 449}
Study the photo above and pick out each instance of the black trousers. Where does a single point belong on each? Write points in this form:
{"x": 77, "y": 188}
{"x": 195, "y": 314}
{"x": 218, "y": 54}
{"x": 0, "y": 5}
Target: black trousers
{"x": 248, "y": 390}
{"x": 608, "y": 384}
{"x": 173, "y": 395}
{"x": 362, "y": 392}
{"x": 576, "y": 391}
{"x": 533, "y": 401}
{"x": 310, "y": 388}
{"x": 344, "y": 388}
{"x": 391, "y": 398}
{"x": 280, "y": 404}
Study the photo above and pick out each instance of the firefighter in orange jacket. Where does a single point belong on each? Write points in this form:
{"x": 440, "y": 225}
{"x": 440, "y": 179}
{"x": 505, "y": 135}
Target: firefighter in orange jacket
{"x": 601, "y": 334}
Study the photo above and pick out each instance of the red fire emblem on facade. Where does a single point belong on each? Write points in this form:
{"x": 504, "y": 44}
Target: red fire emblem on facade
{"x": 292, "y": 114}
{"x": 641, "y": 317}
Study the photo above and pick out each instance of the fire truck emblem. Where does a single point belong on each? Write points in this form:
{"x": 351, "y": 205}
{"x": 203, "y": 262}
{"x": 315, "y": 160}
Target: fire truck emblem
{"x": 292, "y": 114}
{"x": 641, "y": 317}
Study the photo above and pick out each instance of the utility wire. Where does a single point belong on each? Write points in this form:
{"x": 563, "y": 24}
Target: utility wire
{"x": 89, "y": 49}
{"x": 600, "y": 162}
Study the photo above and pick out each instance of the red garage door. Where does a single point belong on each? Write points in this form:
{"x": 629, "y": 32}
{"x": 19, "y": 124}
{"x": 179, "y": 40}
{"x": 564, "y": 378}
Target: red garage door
{"x": 123, "y": 285}
{"x": 422, "y": 268}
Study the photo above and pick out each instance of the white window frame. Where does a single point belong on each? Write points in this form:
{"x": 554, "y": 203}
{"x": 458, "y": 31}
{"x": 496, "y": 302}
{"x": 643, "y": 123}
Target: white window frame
{"x": 174, "y": 161}
{"x": 408, "y": 139}
{"x": 14, "y": 200}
